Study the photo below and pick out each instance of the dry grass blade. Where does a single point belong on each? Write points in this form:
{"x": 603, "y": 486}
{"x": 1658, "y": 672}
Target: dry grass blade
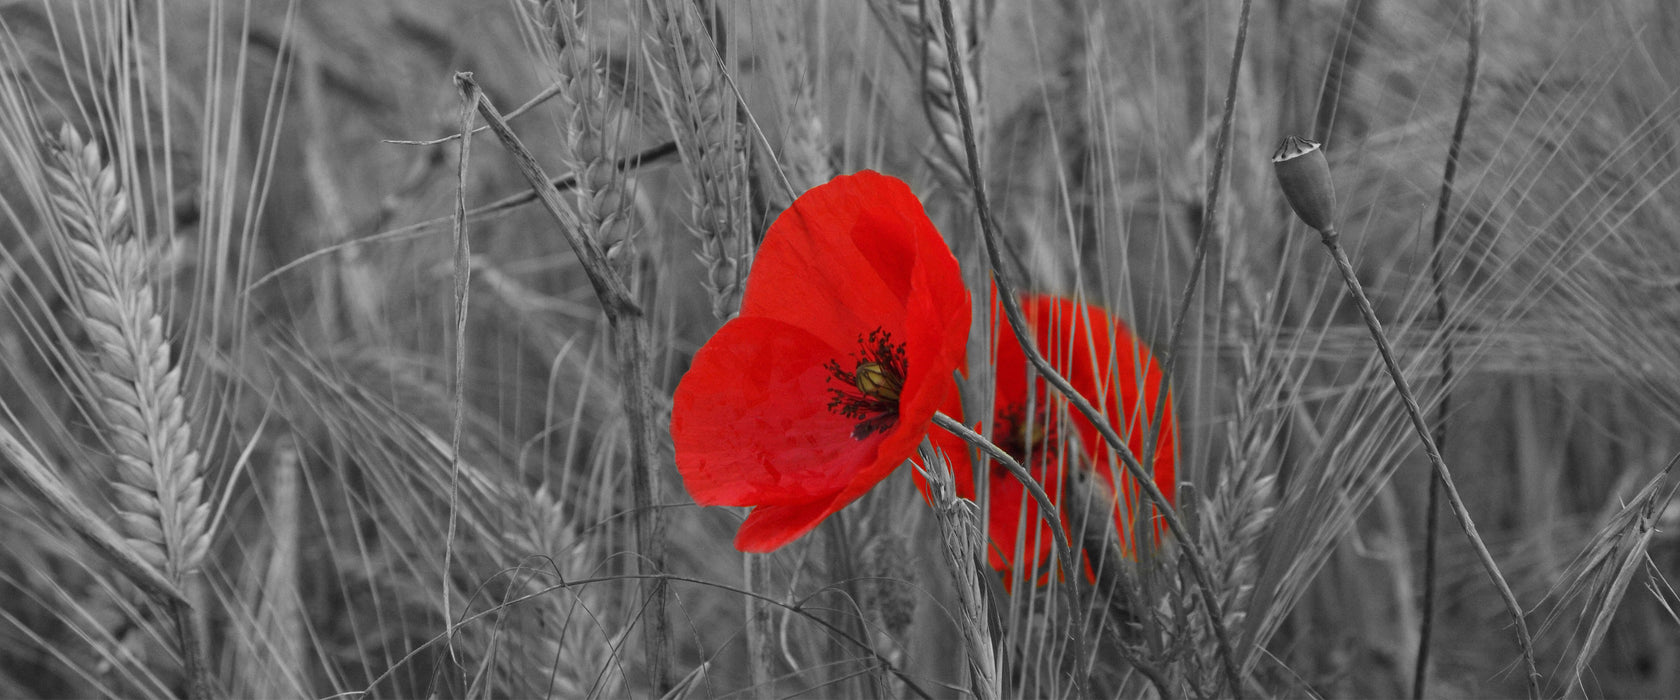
{"x": 628, "y": 327}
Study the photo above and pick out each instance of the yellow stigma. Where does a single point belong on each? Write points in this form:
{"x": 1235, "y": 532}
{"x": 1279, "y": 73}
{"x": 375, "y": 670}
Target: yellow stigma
{"x": 873, "y": 379}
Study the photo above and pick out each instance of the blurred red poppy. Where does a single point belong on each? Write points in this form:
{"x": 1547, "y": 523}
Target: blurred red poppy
{"x": 852, "y": 325}
{"x": 1113, "y": 370}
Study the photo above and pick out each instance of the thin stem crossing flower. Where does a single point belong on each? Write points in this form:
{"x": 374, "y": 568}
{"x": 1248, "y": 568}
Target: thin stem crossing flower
{"x": 1114, "y": 371}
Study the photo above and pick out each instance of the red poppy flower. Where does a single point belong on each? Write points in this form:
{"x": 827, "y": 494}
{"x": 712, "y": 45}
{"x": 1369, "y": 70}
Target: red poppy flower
{"x": 1109, "y": 367}
{"x": 853, "y": 321}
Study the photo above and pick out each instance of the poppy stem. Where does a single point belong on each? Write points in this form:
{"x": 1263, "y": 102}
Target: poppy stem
{"x": 1018, "y": 325}
{"x": 628, "y": 325}
{"x": 1442, "y": 474}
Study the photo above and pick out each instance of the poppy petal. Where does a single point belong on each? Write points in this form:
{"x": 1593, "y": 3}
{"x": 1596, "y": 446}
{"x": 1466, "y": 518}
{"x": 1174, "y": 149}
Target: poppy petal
{"x": 751, "y": 423}
{"x": 1101, "y": 359}
{"x": 842, "y": 257}
{"x": 938, "y": 345}
{"x": 1107, "y": 364}
{"x": 769, "y": 527}
{"x": 957, "y": 451}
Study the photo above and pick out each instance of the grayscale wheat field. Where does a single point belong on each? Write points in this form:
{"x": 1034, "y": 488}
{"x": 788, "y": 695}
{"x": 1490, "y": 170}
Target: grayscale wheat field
{"x": 304, "y": 395}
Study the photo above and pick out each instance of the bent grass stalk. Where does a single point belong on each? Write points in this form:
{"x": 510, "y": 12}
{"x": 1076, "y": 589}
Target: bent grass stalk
{"x": 627, "y": 322}
{"x": 643, "y": 158}
{"x": 1018, "y": 325}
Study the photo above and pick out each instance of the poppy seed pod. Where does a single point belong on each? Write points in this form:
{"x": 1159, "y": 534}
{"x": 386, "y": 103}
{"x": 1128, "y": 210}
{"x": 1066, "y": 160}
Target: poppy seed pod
{"x": 1305, "y": 176}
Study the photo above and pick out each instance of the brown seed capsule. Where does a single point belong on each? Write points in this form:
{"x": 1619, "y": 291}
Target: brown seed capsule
{"x": 1305, "y": 176}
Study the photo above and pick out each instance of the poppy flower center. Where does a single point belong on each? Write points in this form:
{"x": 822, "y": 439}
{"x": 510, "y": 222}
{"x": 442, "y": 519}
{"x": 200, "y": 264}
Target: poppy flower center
{"x": 1038, "y": 434}
{"x": 870, "y": 389}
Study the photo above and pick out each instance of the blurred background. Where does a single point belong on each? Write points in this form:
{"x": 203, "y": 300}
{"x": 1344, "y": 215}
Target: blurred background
{"x": 302, "y": 264}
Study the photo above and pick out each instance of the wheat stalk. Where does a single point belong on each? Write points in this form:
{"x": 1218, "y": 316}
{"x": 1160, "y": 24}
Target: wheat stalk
{"x": 159, "y": 485}
{"x": 591, "y": 148}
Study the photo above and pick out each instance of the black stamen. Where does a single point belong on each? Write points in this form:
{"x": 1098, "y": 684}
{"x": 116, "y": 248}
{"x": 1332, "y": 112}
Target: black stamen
{"x": 873, "y": 402}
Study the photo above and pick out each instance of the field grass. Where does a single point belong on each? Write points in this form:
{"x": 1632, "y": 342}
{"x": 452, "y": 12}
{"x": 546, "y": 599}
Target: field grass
{"x": 304, "y": 395}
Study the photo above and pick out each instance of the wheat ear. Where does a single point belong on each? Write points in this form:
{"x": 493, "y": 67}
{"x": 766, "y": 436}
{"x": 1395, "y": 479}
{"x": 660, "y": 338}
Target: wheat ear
{"x": 701, "y": 109}
{"x": 160, "y": 487}
{"x": 136, "y": 385}
{"x": 965, "y": 545}
{"x": 930, "y": 58}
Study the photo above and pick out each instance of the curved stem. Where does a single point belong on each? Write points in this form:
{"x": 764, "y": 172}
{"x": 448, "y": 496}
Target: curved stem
{"x": 1017, "y": 324}
{"x": 1437, "y": 276}
{"x": 1524, "y": 641}
{"x": 1046, "y": 507}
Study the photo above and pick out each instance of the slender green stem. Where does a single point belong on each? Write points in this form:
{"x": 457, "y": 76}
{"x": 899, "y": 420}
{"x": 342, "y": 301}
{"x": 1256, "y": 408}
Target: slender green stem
{"x": 1437, "y": 276}
{"x": 1017, "y": 325}
{"x": 1524, "y": 641}
{"x": 756, "y": 568}
{"x": 192, "y": 651}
